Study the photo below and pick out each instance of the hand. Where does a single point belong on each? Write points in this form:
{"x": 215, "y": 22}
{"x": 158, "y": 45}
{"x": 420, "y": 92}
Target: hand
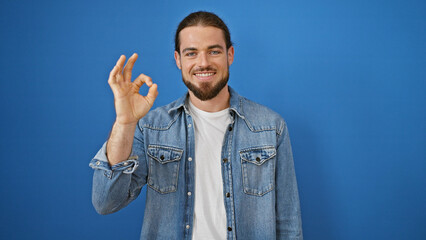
{"x": 130, "y": 106}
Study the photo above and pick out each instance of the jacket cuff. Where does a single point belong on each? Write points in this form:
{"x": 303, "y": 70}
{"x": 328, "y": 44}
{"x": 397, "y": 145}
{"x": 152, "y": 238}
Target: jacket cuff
{"x": 100, "y": 162}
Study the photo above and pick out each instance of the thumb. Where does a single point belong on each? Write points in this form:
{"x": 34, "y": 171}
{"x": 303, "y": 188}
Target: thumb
{"x": 152, "y": 94}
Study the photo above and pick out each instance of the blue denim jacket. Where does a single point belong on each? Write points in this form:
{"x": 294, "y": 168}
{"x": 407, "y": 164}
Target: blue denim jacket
{"x": 259, "y": 183}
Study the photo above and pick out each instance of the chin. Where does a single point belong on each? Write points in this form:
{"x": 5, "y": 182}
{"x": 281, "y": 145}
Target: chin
{"x": 206, "y": 90}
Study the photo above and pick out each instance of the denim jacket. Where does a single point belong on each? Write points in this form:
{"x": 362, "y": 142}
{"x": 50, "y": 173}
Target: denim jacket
{"x": 259, "y": 183}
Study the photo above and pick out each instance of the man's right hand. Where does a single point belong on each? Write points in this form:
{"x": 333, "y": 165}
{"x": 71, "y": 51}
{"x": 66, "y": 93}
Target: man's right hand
{"x": 130, "y": 105}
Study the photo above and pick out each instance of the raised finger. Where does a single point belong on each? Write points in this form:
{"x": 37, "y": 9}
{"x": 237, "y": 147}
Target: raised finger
{"x": 112, "y": 74}
{"x": 120, "y": 63}
{"x": 127, "y": 71}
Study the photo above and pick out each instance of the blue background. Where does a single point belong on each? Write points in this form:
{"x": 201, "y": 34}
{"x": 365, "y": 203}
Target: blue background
{"x": 349, "y": 77}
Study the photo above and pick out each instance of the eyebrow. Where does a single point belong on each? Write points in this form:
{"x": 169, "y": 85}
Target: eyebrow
{"x": 215, "y": 46}
{"x": 195, "y": 49}
{"x": 189, "y": 49}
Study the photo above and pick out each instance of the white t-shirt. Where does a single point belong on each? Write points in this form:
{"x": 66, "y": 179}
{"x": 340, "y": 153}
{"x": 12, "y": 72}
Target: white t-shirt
{"x": 209, "y": 207}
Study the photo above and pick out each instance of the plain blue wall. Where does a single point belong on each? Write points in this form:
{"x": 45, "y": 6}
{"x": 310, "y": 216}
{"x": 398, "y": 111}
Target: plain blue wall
{"x": 349, "y": 77}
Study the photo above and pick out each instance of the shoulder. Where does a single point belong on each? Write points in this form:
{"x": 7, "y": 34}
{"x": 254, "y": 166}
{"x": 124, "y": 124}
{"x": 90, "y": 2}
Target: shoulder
{"x": 259, "y": 117}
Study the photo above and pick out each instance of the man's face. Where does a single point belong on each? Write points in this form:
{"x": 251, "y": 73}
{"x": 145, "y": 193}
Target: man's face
{"x": 204, "y": 60}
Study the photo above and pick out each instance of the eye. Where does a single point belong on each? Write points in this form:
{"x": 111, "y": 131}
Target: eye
{"x": 190, "y": 54}
{"x": 215, "y": 52}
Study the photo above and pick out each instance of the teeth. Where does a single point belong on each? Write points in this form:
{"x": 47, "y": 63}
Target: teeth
{"x": 204, "y": 74}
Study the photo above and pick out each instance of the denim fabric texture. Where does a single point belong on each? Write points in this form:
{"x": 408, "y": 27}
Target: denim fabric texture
{"x": 259, "y": 182}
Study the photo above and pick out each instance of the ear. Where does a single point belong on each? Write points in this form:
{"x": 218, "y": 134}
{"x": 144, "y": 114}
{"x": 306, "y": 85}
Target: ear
{"x": 230, "y": 55}
{"x": 177, "y": 59}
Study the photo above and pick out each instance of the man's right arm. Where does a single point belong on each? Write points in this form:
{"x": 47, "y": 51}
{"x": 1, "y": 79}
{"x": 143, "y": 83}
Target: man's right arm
{"x": 114, "y": 182}
{"x": 130, "y": 106}
{"x": 119, "y": 145}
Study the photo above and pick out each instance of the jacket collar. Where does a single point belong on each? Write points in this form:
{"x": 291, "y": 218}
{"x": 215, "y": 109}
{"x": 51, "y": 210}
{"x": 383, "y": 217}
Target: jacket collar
{"x": 235, "y": 103}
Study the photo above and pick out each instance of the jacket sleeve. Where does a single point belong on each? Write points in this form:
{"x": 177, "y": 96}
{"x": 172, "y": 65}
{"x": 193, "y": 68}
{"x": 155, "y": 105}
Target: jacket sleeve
{"x": 288, "y": 216}
{"x": 114, "y": 187}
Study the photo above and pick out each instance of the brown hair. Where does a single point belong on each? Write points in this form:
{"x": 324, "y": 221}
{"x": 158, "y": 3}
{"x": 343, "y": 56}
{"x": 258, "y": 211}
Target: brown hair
{"x": 202, "y": 18}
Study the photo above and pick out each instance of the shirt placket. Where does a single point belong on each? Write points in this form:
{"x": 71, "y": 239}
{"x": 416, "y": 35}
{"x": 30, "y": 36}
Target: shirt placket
{"x": 189, "y": 177}
{"x": 228, "y": 195}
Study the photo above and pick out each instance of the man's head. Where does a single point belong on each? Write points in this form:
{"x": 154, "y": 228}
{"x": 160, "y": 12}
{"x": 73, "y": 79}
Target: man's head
{"x": 202, "y": 18}
{"x": 204, "y": 52}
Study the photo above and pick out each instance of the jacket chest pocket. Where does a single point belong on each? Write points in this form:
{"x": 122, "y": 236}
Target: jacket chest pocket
{"x": 163, "y": 168}
{"x": 258, "y": 170}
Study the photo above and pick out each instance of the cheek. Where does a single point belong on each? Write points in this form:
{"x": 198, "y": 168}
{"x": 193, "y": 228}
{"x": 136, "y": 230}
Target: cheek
{"x": 187, "y": 67}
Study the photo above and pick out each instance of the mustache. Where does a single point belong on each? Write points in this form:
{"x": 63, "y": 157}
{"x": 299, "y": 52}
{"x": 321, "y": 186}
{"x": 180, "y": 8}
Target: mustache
{"x": 204, "y": 69}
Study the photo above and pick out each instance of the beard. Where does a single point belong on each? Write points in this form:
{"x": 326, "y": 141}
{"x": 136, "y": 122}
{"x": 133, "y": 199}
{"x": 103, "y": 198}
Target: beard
{"x": 207, "y": 90}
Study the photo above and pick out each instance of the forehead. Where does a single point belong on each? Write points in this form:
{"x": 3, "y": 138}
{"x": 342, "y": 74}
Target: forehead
{"x": 201, "y": 36}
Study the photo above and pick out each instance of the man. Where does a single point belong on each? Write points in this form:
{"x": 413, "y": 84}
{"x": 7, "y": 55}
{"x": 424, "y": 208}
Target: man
{"x": 217, "y": 165}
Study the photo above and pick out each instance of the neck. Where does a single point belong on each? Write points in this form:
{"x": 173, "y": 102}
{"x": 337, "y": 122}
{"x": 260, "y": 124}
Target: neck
{"x": 216, "y": 104}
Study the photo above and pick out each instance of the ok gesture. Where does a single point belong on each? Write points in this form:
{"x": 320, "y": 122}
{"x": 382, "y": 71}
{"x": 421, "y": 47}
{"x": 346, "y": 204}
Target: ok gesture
{"x": 130, "y": 105}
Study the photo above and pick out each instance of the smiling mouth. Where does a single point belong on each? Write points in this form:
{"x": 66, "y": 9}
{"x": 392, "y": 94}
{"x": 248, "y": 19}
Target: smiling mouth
{"x": 204, "y": 74}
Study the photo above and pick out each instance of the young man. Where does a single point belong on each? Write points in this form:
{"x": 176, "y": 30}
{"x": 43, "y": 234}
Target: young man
{"x": 217, "y": 165}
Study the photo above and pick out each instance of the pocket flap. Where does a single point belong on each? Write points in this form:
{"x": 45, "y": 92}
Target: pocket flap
{"x": 164, "y": 154}
{"x": 258, "y": 155}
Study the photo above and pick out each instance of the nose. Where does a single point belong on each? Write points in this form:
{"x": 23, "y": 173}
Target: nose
{"x": 203, "y": 60}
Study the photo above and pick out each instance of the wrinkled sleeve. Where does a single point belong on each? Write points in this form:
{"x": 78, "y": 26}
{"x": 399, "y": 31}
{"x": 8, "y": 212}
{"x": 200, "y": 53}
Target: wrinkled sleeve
{"x": 289, "y": 220}
{"x": 114, "y": 187}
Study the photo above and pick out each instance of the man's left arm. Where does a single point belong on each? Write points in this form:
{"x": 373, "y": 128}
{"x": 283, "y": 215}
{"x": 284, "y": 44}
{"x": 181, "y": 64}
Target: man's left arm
{"x": 288, "y": 216}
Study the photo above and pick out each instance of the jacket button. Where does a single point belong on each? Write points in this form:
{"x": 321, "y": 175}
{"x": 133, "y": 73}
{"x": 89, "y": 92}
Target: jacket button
{"x": 229, "y": 229}
{"x": 228, "y": 194}
{"x": 258, "y": 159}
{"x": 225, "y": 160}
{"x": 230, "y": 128}
{"x": 162, "y": 157}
